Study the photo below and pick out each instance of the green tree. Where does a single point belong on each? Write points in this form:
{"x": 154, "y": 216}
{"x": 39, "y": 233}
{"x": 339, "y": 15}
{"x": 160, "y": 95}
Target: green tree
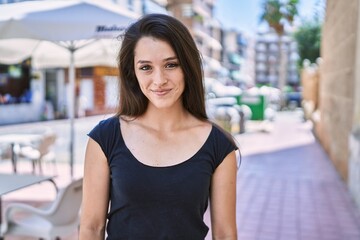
{"x": 308, "y": 38}
{"x": 278, "y": 14}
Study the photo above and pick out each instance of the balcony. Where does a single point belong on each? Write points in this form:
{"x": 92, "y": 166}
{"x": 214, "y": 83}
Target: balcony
{"x": 207, "y": 39}
{"x": 201, "y": 8}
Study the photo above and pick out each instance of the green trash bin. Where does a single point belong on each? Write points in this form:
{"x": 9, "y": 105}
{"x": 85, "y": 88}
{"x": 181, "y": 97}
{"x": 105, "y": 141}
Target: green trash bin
{"x": 255, "y": 102}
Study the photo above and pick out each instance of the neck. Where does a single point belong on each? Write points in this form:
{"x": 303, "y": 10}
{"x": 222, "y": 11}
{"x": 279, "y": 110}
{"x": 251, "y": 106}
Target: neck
{"x": 164, "y": 119}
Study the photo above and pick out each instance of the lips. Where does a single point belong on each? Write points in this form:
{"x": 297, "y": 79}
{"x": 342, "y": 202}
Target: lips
{"x": 161, "y": 92}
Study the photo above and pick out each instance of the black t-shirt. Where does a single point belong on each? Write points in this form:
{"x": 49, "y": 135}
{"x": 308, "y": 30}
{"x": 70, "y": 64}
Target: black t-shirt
{"x": 158, "y": 202}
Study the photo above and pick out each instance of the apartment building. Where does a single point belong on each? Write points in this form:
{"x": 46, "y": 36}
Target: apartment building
{"x": 267, "y": 59}
{"x": 198, "y": 16}
{"x": 238, "y": 57}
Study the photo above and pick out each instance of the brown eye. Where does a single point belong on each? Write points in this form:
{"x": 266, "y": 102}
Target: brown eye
{"x": 172, "y": 65}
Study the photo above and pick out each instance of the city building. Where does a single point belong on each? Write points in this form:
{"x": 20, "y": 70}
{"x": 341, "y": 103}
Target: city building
{"x": 337, "y": 117}
{"x": 267, "y": 60}
{"x": 198, "y": 16}
{"x": 238, "y": 57}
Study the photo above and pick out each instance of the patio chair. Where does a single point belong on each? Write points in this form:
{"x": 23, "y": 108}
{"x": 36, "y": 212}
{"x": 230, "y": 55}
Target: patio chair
{"x": 59, "y": 220}
{"x": 6, "y": 155}
{"x": 40, "y": 152}
{"x": 5, "y": 152}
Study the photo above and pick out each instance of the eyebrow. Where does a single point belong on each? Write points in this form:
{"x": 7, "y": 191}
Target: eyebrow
{"x": 165, "y": 60}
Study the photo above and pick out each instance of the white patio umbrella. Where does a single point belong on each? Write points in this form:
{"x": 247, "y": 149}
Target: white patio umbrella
{"x": 45, "y": 54}
{"x": 72, "y": 24}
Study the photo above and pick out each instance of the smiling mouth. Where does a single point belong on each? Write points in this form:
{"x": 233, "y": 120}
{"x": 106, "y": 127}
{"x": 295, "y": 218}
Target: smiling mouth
{"x": 161, "y": 92}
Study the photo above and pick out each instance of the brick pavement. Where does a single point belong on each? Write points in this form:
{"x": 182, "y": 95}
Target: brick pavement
{"x": 289, "y": 190}
{"x": 287, "y": 187}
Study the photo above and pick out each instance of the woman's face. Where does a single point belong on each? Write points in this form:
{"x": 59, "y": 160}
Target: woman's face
{"x": 159, "y": 73}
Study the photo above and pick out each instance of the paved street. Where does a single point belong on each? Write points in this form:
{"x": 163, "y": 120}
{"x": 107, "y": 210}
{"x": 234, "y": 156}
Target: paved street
{"x": 288, "y": 189}
{"x": 287, "y": 186}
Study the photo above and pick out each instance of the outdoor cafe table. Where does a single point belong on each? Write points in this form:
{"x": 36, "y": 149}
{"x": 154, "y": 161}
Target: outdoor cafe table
{"x": 18, "y": 138}
{"x": 13, "y": 182}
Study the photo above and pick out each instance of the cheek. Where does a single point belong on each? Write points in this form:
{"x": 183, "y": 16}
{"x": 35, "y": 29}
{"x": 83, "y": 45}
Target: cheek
{"x": 182, "y": 83}
{"x": 139, "y": 78}
{"x": 143, "y": 83}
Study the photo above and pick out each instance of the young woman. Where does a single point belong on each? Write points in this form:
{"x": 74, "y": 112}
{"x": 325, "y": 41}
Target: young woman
{"x": 159, "y": 161}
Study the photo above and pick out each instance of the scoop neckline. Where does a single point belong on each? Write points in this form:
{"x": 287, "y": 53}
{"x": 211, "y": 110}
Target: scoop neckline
{"x": 169, "y": 166}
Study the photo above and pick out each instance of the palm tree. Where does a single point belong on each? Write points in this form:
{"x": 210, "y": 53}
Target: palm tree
{"x": 277, "y": 14}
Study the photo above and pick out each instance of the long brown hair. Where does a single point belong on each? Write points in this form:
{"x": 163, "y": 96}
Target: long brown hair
{"x": 133, "y": 102}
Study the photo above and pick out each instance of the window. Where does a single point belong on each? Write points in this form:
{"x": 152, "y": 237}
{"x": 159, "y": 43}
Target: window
{"x": 130, "y": 4}
{"x": 15, "y": 83}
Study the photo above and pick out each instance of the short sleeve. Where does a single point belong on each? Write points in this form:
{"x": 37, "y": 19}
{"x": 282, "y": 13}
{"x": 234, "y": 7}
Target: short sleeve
{"x": 224, "y": 144}
{"x": 104, "y": 134}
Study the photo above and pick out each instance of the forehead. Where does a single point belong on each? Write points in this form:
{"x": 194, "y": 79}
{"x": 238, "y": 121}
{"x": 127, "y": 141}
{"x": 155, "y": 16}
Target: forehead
{"x": 153, "y": 48}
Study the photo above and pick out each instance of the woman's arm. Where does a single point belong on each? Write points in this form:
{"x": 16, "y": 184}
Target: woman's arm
{"x": 95, "y": 193}
{"x": 223, "y": 200}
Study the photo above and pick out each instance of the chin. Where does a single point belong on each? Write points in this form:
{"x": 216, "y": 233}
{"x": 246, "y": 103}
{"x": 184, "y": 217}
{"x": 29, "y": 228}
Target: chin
{"x": 164, "y": 105}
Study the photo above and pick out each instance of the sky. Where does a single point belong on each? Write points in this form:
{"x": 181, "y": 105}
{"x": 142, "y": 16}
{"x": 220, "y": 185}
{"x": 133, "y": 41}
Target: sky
{"x": 243, "y": 15}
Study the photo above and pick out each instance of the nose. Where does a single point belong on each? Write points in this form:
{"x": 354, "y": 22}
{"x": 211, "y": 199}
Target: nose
{"x": 159, "y": 78}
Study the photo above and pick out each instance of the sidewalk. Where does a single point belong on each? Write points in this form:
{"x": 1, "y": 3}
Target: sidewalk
{"x": 287, "y": 186}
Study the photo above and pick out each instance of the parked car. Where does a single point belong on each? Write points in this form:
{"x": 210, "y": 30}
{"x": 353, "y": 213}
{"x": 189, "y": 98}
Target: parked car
{"x": 293, "y": 100}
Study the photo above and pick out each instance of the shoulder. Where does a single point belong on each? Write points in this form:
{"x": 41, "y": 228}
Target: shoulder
{"x": 223, "y": 142}
{"x": 108, "y": 122}
{"x": 198, "y": 130}
{"x": 221, "y": 134}
{"x": 104, "y": 127}
{"x": 105, "y": 133}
